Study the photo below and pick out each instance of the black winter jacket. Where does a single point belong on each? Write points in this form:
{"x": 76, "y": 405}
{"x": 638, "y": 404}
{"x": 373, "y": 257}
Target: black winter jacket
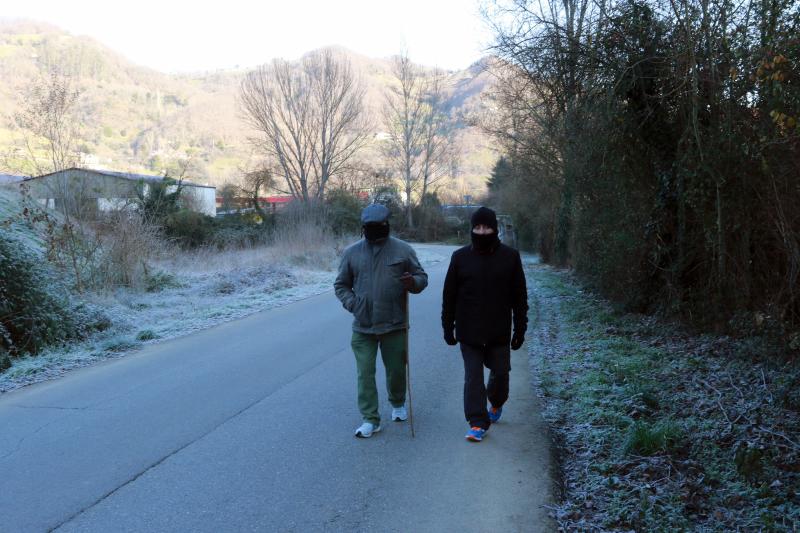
{"x": 480, "y": 293}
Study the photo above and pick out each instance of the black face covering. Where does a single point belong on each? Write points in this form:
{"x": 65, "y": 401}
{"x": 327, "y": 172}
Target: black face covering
{"x": 483, "y": 243}
{"x": 376, "y": 232}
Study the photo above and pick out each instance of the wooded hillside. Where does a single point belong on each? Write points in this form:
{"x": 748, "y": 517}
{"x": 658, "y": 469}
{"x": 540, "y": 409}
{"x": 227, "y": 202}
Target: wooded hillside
{"x": 137, "y": 119}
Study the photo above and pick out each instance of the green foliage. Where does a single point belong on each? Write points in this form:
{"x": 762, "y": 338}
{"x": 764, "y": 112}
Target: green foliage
{"x": 35, "y": 310}
{"x": 644, "y": 438}
{"x": 431, "y": 224}
{"x": 146, "y": 335}
{"x": 160, "y": 280}
{"x": 344, "y": 212}
{"x": 159, "y": 199}
{"x": 189, "y": 228}
{"x": 749, "y": 461}
{"x": 242, "y": 230}
{"x": 502, "y": 175}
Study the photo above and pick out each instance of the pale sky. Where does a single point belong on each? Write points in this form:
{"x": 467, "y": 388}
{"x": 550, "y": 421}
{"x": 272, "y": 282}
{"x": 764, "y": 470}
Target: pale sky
{"x": 179, "y": 36}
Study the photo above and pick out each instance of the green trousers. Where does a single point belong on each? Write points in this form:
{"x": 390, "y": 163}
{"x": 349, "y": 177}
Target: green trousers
{"x": 365, "y": 348}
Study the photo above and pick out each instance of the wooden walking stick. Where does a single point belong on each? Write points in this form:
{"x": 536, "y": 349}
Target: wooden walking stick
{"x": 408, "y": 375}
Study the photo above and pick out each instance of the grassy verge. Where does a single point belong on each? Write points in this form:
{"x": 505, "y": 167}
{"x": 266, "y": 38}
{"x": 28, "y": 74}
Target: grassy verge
{"x": 660, "y": 430}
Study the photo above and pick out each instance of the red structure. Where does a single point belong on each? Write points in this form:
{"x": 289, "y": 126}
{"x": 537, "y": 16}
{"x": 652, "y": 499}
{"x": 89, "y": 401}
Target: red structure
{"x": 268, "y": 202}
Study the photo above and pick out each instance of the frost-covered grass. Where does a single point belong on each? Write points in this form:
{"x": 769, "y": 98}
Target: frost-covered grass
{"x": 193, "y": 291}
{"x": 659, "y": 429}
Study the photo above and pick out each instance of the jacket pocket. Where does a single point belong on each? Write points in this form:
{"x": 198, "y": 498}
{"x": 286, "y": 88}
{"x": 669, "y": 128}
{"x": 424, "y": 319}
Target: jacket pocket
{"x": 361, "y": 311}
{"x": 396, "y": 265}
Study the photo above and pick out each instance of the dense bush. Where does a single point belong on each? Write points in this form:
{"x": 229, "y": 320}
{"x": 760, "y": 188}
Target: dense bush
{"x": 656, "y": 151}
{"x": 344, "y": 212}
{"x": 431, "y": 224}
{"x": 189, "y": 228}
{"x": 241, "y": 230}
{"x": 35, "y": 308}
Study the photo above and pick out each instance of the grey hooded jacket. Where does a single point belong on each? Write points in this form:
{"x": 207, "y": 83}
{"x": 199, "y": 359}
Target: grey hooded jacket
{"x": 369, "y": 286}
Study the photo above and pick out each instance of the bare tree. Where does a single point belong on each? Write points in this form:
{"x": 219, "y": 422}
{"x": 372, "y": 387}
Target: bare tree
{"x": 310, "y": 118}
{"x": 50, "y": 134}
{"x": 437, "y": 136}
{"x": 49, "y": 125}
{"x": 339, "y": 120}
{"x": 404, "y": 118}
{"x": 421, "y": 134}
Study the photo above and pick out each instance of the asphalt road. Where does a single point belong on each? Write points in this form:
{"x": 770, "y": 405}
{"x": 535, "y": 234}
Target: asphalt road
{"x": 248, "y": 426}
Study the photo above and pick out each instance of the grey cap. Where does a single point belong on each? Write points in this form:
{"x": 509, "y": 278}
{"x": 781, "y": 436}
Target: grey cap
{"x": 375, "y": 213}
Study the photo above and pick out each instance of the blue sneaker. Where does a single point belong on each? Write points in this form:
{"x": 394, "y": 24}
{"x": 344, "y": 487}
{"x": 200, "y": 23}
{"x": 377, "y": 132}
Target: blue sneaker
{"x": 495, "y": 413}
{"x": 475, "y": 434}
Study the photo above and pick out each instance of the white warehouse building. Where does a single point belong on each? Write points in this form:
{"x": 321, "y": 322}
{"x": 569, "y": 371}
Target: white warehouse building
{"x": 94, "y": 191}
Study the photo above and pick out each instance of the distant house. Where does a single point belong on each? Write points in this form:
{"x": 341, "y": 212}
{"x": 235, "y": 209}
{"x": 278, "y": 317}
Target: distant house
{"x": 94, "y": 191}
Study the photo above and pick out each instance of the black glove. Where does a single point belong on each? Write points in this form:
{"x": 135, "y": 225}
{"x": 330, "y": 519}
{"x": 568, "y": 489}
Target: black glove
{"x": 450, "y": 337}
{"x": 517, "y": 340}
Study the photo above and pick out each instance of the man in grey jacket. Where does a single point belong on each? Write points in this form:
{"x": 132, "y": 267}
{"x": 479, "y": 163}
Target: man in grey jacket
{"x": 374, "y": 275}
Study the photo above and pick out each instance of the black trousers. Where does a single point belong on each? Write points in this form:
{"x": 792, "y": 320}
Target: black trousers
{"x": 498, "y": 360}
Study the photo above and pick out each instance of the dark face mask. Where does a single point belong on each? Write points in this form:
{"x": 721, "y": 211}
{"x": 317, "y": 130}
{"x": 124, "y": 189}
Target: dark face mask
{"x": 483, "y": 243}
{"x": 376, "y": 232}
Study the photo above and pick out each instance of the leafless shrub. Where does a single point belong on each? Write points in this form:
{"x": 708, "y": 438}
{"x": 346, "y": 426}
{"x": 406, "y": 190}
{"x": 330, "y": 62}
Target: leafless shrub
{"x": 128, "y": 244}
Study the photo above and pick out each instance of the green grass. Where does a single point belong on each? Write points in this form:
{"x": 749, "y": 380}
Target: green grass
{"x": 119, "y": 344}
{"x": 644, "y": 438}
{"x": 146, "y": 335}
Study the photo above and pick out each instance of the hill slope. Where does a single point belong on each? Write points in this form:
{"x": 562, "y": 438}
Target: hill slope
{"x": 138, "y": 119}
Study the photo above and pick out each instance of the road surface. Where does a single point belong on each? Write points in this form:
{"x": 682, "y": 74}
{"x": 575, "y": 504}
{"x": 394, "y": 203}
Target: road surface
{"x": 248, "y": 426}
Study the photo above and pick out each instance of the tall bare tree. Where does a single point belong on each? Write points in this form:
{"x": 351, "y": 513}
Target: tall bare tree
{"x": 404, "y": 119}
{"x": 310, "y": 118}
{"x": 437, "y": 137}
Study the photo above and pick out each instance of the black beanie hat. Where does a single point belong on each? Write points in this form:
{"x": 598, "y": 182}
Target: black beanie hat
{"x": 485, "y": 216}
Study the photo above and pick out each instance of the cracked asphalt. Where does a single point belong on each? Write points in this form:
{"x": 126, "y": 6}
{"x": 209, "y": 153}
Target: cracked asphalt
{"x": 247, "y": 426}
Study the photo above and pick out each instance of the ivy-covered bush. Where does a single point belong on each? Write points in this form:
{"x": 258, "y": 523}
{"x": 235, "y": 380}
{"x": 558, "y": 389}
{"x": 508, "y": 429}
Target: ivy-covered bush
{"x": 35, "y": 308}
{"x": 241, "y": 230}
{"x": 189, "y": 228}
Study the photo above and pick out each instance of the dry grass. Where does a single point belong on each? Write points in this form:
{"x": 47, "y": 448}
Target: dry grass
{"x": 304, "y": 244}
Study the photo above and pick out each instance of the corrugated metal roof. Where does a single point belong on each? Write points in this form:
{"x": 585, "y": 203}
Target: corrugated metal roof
{"x": 124, "y": 175}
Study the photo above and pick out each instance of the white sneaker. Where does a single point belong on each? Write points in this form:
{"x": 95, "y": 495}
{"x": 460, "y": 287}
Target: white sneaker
{"x": 366, "y": 430}
{"x": 399, "y": 414}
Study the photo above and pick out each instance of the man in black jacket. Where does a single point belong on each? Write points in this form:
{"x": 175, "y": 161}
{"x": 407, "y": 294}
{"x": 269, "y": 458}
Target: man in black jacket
{"x": 484, "y": 287}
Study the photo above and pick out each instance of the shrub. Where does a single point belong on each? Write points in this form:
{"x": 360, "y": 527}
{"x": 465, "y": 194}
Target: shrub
{"x": 431, "y": 224}
{"x": 34, "y": 305}
{"x": 189, "y": 228}
{"x": 344, "y": 212}
{"x": 158, "y": 281}
{"x": 241, "y": 230}
{"x": 146, "y": 335}
{"x": 128, "y": 243}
